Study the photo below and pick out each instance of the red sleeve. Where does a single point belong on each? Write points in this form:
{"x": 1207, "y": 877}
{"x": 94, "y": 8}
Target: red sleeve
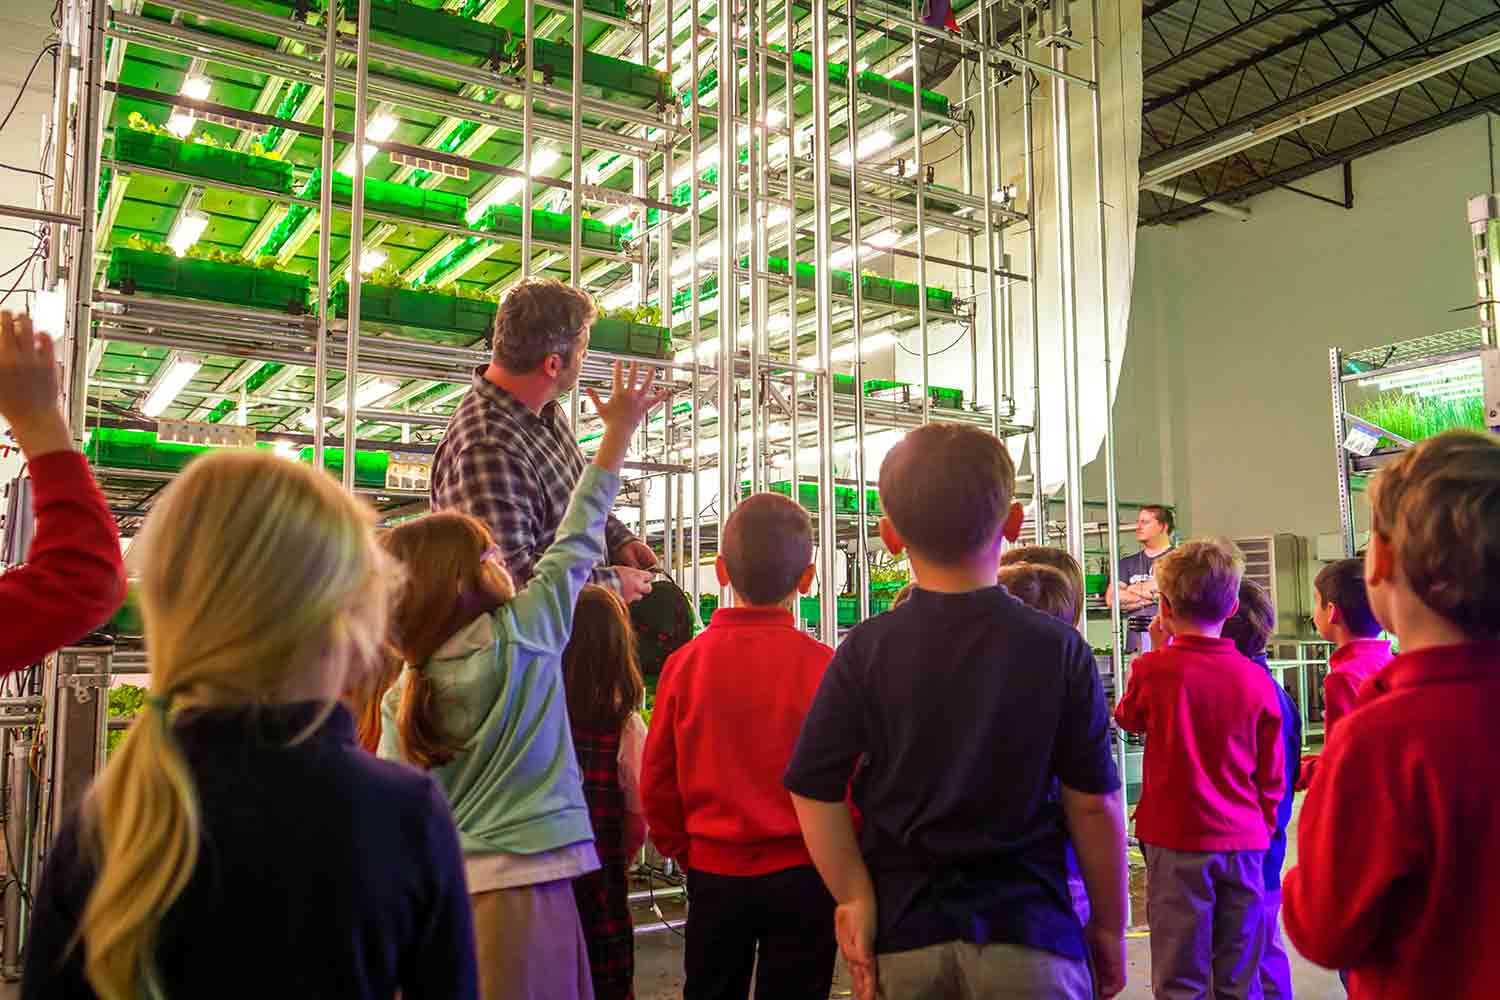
{"x": 1130, "y": 713}
{"x": 1340, "y": 695}
{"x": 1353, "y": 855}
{"x": 1270, "y": 764}
{"x": 74, "y": 576}
{"x": 660, "y": 796}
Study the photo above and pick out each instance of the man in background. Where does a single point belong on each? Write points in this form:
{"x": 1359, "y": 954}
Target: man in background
{"x": 1134, "y": 586}
{"x": 510, "y": 458}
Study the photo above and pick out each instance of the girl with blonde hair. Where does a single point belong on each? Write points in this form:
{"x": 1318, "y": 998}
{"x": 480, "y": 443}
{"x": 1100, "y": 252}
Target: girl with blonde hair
{"x": 239, "y": 842}
{"x": 482, "y": 705}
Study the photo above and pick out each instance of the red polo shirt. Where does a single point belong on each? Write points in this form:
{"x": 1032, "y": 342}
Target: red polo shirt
{"x": 1398, "y": 877}
{"x": 729, "y": 708}
{"x": 1215, "y": 767}
{"x": 1351, "y": 665}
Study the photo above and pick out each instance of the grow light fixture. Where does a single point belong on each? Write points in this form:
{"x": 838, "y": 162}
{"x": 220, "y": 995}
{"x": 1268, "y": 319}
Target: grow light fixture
{"x": 619, "y": 299}
{"x": 543, "y": 158}
{"x": 1437, "y": 376}
{"x": 186, "y": 231}
{"x": 196, "y": 87}
{"x": 868, "y": 146}
{"x": 844, "y": 353}
{"x": 618, "y": 216}
{"x": 706, "y": 158}
{"x": 287, "y": 449}
{"x": 176, "y": 377}
{"x": 380, "y": 129}
{"x": 369, "y": 260}
{"x": 366, "y": 394}
{"x": 883, "y": 240}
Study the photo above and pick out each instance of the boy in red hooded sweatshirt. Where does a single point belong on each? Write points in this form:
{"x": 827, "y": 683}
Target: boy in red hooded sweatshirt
{"x": 1394, "y": 880}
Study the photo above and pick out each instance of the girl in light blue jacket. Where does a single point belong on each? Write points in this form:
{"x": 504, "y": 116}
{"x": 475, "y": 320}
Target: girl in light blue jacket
{"x": 480, "y": 703}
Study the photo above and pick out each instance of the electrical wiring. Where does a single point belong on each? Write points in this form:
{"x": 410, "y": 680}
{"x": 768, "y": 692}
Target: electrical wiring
{"x": 26, "y": 82}
{"x": 22, "y": 276}
{"x": 26, "y": 170}
{"x": 932, "y": 354}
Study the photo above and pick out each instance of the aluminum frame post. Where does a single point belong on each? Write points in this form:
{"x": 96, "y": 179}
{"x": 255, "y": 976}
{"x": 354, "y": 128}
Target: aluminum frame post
{"x": 528, "y": 125}
{"x": 86, "y": 181}
{"x": 1067, "y": 276}
{"x": 325, "y": 247}
{"x": 1033, "y": 295}
{"x": 822, "y": 254}
{"x": 356, "y": 243}
{"x": 575, "y": 239}
{"x": 856, "y": 291}
{"x": 728, "y": 293}
{"x": 1340, "y": 456}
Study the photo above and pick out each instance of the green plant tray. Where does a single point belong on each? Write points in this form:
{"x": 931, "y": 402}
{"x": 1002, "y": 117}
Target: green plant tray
{"x": 1095, "y": 583}
{"x": 845, "y": 500}
{"x": 282, "y": 8}
{"x": 550, "y": 227}
{"x": 946, "y": 399}
{"x": 810, "y": 608}
{"x": 395, "y": 199}
{"x": 208, "y": 162}
{"x": 109, "y": 448}
{"x": 404, "y": 307}
{"x": 143, "y": 271}
{"x": 432, "y": 31}
{"x": 873, "y": 84}
{"x": 844, "y": 385}
{"x": 621, "y": 337}
{"x": 613, "y": 76}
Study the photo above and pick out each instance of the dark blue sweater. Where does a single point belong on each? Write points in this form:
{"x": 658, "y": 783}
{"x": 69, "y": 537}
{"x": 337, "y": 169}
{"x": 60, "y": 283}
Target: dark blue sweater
{"x": 322, "y": 872}
{"x": 1291, "y": 736}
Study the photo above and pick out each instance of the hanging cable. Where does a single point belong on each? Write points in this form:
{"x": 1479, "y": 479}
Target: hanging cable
{"x": 26, "y": 82}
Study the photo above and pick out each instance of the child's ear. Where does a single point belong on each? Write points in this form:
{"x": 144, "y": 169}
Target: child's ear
{"x": 805, "y": 581}
{"x": 1013, "y": 522}
{"x": 721, "y": 571}
{"x": 893, "y": 541}
{"x": 1335, "y": 616}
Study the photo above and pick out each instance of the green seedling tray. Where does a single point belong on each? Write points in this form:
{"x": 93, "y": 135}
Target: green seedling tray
{"x": 404, "y": 307}
{"x": 810, "y": 607}
{"x": 433, "y": 32}
{"x": 1095, "y": 583}
{"x": 186, "y": 277}
{"x": 550, "y": 227}
{"x": 613, "y": 76}
{"x": 946, "y": 399}
{"x": 416, "y": 203}
{"x": 211, "y": 163}
{"x": 621, "y": 337}
{"x": 845, "y": 500}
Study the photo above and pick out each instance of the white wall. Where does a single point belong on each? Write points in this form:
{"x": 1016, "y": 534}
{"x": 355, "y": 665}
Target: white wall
{"x": 24, "y": 29}
{"x": 1223, "y": 406}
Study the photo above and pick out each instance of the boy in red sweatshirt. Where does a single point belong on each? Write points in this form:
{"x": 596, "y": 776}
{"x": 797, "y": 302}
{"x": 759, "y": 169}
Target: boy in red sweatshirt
{"x": 1212, "y": 779}
{"x": 729, "y": 706}
{"x": 1396, "y": 876}
{"x": 74, "y": 576}
{"x": 1343, "y": 617}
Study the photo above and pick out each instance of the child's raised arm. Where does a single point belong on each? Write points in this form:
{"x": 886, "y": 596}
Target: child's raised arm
{"x": 541, "y": 616}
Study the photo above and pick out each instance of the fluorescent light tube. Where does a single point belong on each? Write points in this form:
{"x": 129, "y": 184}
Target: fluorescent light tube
{"x": 369, "y": 260}
{"x": 543, "y": 158}
{"x": 869, "y": 145}
{"x": 196, "y": 87}
{"x": 186, "y": 231}
{"x": 379, "y": 130}
{"x": 170, "y": 384}
{"x": 180, "y": 124}
{"x": 363, "y": 396}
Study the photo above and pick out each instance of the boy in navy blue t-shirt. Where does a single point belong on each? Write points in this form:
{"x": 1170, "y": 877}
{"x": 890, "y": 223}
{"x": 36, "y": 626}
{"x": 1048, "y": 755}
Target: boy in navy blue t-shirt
{"x": 965, "y": 708}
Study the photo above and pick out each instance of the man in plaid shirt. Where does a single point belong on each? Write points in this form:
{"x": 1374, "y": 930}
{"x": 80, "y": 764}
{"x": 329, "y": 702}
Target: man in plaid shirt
{"x": 509, "y": 457}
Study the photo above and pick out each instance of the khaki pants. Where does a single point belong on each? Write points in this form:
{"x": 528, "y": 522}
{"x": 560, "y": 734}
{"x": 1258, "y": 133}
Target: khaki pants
{"x": 960, "y": 970}
{"x": 1208, "y": 931}
{"x": 529, "y": 944}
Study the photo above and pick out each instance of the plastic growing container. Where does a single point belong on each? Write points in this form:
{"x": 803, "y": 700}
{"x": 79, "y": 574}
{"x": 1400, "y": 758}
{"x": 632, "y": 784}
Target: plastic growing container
{"x": 433, "y": 32}
{"x": 404, "y": 307}
{"x": 395, "y": 199}
{"x": 621, "y": 337}
{"x": 946, "y": 399}
{"x": 134, "y": 271}
{"x": 211, "y": 163}
{"x": 550, "y": 227}
{"x": 615, "y": 76}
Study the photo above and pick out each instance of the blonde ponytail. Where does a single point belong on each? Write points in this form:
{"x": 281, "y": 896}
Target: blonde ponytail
{"x": 254, "y": 570}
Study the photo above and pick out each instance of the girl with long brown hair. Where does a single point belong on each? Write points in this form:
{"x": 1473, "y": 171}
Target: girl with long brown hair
{"x": 605, "y": 690}
{"x": 239, "y": 842}
{"x": 481, "y": 705}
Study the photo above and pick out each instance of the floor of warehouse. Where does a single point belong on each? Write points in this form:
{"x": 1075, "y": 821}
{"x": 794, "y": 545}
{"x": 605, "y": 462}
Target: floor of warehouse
{"x": 658, "y": 974}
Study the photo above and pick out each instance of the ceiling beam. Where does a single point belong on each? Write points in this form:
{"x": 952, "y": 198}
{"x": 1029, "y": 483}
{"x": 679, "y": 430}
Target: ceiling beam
{"x": 1249, "y": 62}
{"x": 1371, "y": 91}
{"x": 1239, "y": 124}
{"x": 1294, "y": 173}
{"x": 1223, "y": 36}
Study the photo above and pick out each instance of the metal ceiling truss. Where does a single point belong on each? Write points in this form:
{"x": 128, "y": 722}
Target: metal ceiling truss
{"x": 1324, "y": 48}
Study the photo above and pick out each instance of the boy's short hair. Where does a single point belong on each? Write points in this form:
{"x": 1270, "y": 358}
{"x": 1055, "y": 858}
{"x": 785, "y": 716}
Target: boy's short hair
{"x": 1201, "y": 579}
{"x": 767, "y": 546}
{"x": 1042, "y": 588}
{"x": 1438, "y": 505}
{"x": 1255, "y": 620}
{"x": 1342, "y": 584}
{"x": 947, "y": 489}
{"x": 1048, "y": 555}
{"x": 1163, "y": 516}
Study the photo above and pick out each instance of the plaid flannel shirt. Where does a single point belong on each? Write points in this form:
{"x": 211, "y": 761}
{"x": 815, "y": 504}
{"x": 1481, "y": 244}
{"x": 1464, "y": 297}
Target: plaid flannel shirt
{"x": 515, "y": 471}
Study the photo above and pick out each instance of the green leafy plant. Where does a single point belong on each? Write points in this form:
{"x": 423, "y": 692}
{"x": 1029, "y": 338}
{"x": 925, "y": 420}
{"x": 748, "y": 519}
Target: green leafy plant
{"x": 125, "y": 701}
{"x": 646, "y": 315}
{"x": 1419, "y": 417}
{"x": 198, "y": 251}
{"x": 140, "y": 123}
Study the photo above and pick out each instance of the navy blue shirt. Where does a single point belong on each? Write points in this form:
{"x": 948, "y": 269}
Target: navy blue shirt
{"x": 961, "y": 710}
{"x": 1291, "y": 737}
{"x": 322, "y": 872}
